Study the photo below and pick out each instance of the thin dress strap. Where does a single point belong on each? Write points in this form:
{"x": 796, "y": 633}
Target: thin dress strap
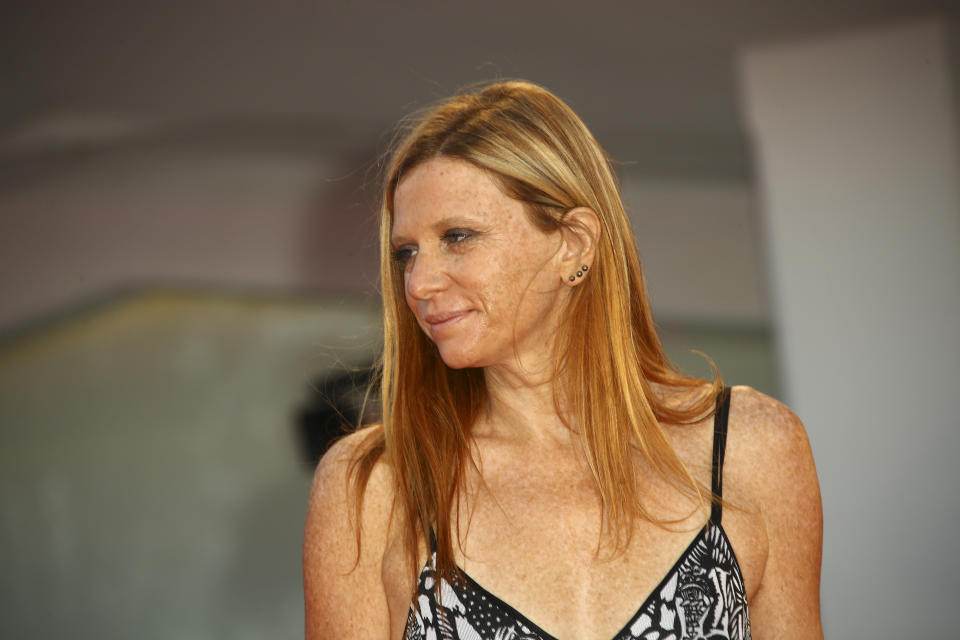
{"x": 719, "y": 449}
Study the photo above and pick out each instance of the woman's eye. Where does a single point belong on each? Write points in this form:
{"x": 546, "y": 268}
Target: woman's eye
{"x": 403, "y": 255}
{"x": 455, "y": 236}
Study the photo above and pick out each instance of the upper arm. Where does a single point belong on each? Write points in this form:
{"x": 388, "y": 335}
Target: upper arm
{"x": 787, "y": 602}
{"x": 343, "y": 587}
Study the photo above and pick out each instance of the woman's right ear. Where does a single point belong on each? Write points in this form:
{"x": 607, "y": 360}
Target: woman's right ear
{"x": 580, "y": 233}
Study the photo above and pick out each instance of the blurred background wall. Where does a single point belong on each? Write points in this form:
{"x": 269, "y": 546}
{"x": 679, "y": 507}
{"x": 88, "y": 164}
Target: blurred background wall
{"x": 187, "y": 248}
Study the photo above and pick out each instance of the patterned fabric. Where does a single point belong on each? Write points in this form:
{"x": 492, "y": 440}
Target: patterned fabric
{"x": 702, "y": 598}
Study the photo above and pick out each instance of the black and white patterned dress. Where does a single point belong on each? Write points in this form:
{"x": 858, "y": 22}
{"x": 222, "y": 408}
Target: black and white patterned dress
{"x": 701, "y": 598}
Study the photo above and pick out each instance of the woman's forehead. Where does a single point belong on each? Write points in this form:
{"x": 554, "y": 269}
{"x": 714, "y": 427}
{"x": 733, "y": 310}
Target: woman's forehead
{"x": 444, "y": 188}
{"x": 447, "y": 177}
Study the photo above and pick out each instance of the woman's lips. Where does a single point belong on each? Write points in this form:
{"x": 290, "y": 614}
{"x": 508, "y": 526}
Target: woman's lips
{"x": 440, "y": 321}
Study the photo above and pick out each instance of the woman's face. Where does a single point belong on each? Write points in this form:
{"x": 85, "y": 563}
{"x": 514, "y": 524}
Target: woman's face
{"x": 483, "y": 282}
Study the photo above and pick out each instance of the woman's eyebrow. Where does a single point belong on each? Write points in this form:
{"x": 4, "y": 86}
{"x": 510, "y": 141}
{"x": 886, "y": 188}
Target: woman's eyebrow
{"x": 396, "y": 240}
{"x": 450, "y": 221}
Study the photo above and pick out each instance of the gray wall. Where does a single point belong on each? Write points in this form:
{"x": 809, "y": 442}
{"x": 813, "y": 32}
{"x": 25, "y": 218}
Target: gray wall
{"x": 135, "y": 215}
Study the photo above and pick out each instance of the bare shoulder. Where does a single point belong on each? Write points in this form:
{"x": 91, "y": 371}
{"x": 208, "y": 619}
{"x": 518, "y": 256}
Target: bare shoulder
{"x": 767, "y": 421}
{"x": 332, "y": 486}
{"x": 771, "y": 462}
{"x": 769, "y": 441}
{"x": 343, "y": 553}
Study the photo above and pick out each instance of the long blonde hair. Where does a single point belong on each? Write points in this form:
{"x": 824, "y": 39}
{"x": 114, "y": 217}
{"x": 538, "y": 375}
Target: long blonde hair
{"x": 542, "y": 154}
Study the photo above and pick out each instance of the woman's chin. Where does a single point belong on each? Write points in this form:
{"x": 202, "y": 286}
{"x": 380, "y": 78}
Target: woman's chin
{"x": 457, "y": 358}
{"x": 456, "y": 362}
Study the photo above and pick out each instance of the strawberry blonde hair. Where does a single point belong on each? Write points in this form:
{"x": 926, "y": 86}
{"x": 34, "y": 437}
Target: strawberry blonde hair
{"x": 541, "y": 153}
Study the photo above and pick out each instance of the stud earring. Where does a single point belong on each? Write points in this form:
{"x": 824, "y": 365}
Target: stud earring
{"x": 584, "y": 268}
{"x": 572, "y": 278}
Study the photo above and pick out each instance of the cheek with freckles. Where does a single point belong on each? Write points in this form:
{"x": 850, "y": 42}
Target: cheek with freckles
{"x": 521, "y": 298}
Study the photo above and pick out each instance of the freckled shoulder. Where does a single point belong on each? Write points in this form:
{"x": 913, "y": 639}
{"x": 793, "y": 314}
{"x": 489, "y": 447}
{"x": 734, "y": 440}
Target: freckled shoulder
{"x": 764, "y": 435}
{"x": 343, "y": 585}
{"x": 770, "y": 463}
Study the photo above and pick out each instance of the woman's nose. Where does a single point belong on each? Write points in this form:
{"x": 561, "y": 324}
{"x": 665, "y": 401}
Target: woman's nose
{"x": 426, "y": 276}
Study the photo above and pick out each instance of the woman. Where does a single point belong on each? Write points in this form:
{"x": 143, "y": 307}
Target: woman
{"x": 541, "y": 470}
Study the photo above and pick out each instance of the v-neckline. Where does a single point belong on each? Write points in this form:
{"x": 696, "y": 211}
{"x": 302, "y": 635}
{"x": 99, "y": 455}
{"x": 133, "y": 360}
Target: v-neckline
{"x": 533, "y": 626}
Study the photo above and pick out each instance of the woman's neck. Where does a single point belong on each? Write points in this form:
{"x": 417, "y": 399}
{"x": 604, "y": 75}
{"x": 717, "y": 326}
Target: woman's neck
{"x": 521, "y": 406}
